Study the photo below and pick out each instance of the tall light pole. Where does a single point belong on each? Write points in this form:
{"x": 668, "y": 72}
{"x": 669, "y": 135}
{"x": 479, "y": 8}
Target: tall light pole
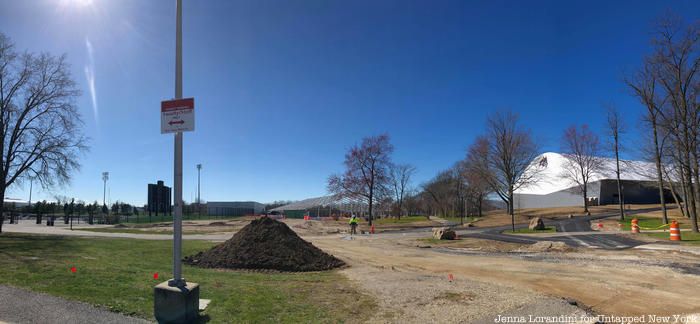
{"x": 199, "y": 197}
{"x": 105, "y": 177}
{"x": 178, "y": 281}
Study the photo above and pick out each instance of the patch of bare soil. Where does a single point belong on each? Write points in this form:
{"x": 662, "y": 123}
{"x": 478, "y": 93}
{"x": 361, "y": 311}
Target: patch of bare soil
{"x": 407, "y": 295}
{"x": 546, "y": 246}
{"x": 472, "y": 244}
{"x": 410, "y": 281}
{"x": 316, "y": 227}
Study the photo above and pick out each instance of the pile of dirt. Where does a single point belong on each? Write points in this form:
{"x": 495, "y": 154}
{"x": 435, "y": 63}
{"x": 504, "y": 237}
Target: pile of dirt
{"x": 266, "y": 244}
{"x": 547, "y": 246}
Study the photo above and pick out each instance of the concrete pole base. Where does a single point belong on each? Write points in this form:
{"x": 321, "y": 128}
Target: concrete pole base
{"x": 176, "y": 304}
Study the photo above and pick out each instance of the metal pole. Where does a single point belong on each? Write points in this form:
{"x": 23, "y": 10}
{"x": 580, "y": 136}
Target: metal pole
{"x": 31, "y": 182}
{"x": 178, "y": 281}
{"x": 199, "y": 194}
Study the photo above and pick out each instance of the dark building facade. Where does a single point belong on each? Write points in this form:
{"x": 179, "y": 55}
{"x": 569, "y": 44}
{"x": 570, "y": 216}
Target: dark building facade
{"x": 601, "y": 192}
{"x": 159, "y": 199}
{"x": 633, "y": 192}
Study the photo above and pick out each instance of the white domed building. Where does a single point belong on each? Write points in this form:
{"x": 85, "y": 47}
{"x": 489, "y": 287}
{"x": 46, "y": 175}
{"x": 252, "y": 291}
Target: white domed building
{"x": 554, "y": 189}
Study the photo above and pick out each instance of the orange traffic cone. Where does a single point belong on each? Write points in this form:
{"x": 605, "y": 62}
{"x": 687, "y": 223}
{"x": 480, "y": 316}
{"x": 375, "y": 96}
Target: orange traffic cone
{"x": 635, "y": 226}
{"x": 675, "y": 231}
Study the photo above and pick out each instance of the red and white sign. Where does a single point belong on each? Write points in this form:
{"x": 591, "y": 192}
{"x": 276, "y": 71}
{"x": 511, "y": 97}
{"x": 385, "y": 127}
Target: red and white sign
{"x": 177, "y": 116}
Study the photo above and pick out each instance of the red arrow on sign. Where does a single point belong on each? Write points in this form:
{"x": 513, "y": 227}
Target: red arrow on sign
{"x": 176, "y": 122}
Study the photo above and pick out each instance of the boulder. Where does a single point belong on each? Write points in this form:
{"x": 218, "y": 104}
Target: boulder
{"x": 444, "y": 233}
{"x": 536, "y": 224}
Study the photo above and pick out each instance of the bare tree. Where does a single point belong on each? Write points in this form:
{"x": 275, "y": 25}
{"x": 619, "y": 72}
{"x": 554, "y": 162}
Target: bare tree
{"x": 400, "y": 180}
{"x": 615, "y": 128}
{"x": 40, "y": 126}
{"x": 581, "y": 148}
{"x": 643, "y": 85}
{"x": 504, "y": 157}
{"x": 366, "y": 171}
{"x": 440, "y": 189}
{"x": 676, "y": 63}
{"x": 477, "y": 187}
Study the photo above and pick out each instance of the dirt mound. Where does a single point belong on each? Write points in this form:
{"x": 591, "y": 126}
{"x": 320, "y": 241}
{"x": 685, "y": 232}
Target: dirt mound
{"x": 218, "y": 224}
{"x": 265, "y": 244}
{"x": 547, "y": 246}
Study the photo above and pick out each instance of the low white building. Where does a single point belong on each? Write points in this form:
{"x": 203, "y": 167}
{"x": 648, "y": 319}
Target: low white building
{"x": 553, "y": 189}
{"x": 234, "y": 208}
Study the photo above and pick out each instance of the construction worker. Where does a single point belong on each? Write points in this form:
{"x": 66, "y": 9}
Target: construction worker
{"x": 353, "y": 224}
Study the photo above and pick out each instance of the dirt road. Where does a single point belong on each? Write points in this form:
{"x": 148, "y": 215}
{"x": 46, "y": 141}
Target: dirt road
{"x": 611, "y": 282}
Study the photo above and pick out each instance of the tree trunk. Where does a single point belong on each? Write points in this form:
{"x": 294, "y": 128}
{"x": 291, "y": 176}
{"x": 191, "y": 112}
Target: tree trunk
{"x": 2, "y": 209}
{"x": 585, "y": 198}
{"x": 684, "y": 191}
{"x": 696, "y": 192}
{"x": 511, "y": 208}
{"x": 371, "y": 196}
{"x": 690, "y": 192}
{"x": 619, "y": 184}
{"x": 659, "y": 176}
{"x": 673, "y": 193}
{"x": 481, "y": 199}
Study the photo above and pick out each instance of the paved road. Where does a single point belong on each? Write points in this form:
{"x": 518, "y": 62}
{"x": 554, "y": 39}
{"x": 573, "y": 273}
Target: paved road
{"x": 574, "y": 232}
{"x": 23, "y": 306}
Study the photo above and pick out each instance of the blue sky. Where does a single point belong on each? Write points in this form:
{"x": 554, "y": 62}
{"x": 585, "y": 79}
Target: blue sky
{"x": 284, "y": 88}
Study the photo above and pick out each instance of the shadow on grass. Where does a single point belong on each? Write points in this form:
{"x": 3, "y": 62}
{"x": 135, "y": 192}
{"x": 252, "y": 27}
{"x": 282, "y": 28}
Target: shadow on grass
{"x": 17, "y": 244}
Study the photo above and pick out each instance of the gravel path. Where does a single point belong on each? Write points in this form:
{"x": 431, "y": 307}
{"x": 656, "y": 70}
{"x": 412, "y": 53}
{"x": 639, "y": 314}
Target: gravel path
{"x": 23, "y": 306}
{"x": 407, "y": 296}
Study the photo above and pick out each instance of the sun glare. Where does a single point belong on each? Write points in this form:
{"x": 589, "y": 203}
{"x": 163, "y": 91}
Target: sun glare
{"x": 76, "y": 3}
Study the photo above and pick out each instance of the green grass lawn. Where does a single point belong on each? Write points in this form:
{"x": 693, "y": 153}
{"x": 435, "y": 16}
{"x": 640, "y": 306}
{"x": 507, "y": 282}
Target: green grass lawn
{"x": 144, "y": 219}
{"x": 402, "y": 220}
{"x": 525, "y": 230}
{"x": 118, "y": 274}
{"x": 644, "y": 222}
{"x": 686, "y": 237}
{"x": 126, "y": 230}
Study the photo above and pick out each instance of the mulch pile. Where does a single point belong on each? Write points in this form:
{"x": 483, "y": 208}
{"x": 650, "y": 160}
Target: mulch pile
{"x": 266, "y": 244}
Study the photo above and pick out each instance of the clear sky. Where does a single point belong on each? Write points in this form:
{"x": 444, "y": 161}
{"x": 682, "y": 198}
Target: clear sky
{"x": 284, "y": 88}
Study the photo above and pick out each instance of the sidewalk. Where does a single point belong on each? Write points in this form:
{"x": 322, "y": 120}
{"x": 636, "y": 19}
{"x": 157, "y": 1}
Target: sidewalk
{"x": 23, "y": 306}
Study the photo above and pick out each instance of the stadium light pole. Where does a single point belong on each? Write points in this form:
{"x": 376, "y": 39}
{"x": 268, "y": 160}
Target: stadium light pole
{"x": 105, "y": 177}
{"x": 199, "y": 194}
